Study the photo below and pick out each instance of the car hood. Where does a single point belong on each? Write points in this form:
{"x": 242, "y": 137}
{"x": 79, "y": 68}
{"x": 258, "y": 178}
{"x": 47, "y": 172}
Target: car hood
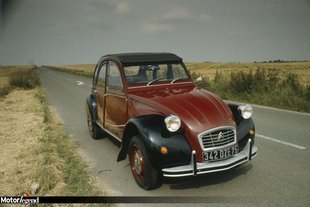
{"x": 198, "y": 109}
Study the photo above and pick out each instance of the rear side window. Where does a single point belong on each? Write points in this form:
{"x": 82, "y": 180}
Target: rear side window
{"x": 114, "y": 77}
{"x": 101, "y": 76}
{"x": 95, "y": 76}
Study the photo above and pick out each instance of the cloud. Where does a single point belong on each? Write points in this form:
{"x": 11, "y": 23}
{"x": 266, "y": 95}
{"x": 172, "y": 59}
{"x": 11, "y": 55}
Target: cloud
{"x": 204, "y": 18}
{"x": 122, "y": 7}
{"x": 165, "y": 22}
{"x": 175, "y": 14}
{"x": 154, "y": 27}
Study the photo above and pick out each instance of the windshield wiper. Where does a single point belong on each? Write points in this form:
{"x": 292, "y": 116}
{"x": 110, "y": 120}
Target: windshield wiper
{"x": 153, "y": 81}
{"x": 180, "y": 78}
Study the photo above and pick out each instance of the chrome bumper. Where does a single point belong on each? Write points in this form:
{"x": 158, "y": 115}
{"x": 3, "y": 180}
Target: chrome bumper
{"x": 195, "y": 168}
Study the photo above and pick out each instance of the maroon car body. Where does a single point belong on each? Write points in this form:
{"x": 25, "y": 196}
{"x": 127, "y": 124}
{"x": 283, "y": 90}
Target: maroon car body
{"x": 167, "y": 125}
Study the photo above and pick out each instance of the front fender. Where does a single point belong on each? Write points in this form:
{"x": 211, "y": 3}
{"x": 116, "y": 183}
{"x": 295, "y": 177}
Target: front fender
{"x": 152, "y": 130}
{"x": 243, "y": 126}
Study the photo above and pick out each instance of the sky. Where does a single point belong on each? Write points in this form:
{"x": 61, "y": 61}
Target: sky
{"x": 81, "y": 31}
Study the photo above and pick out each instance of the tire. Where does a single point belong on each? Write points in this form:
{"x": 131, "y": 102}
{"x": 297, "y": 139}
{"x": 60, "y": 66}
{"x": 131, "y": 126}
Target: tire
{"x": 93, "y": 128}
{"x": 145, "y": 174}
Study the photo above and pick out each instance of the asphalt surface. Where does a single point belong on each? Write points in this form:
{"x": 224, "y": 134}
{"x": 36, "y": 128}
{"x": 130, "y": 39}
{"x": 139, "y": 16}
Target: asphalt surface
{"x": 278, "y": 176}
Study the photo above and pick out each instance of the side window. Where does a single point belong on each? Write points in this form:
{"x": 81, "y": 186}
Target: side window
{"x": 95, "y": 76}
{"x": 178, "y": 71}
{"x": 114, "y": 77}
{"x": 101, "y": 76}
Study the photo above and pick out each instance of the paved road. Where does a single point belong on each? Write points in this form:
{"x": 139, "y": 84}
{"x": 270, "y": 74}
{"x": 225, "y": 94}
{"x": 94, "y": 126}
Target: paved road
{"x": 278, "y": 176}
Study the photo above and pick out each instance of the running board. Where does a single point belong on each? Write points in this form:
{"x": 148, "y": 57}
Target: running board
{"x": 110, "y": 133}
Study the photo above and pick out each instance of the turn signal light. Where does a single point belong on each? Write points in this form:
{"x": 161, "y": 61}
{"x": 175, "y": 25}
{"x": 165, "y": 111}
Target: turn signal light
{"x": 163, "y": 150}
{"x": 251, "y": 132}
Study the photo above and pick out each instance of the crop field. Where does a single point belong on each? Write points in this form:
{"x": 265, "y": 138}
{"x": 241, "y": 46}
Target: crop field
{"x": 282, "y": 84}
{"x": 208, "y": 69}
{"x": 82, "y": 69}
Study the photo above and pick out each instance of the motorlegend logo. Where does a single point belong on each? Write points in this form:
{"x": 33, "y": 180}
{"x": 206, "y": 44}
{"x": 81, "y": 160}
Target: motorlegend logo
{"x": 20, "y": 200}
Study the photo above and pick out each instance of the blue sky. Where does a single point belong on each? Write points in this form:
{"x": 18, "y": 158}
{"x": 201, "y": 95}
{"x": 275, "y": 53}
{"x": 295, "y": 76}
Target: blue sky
{"x": 81, "y": 31}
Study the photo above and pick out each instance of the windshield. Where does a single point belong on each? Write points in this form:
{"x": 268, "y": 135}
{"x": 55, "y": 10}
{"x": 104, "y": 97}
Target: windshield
{"x": 149, "y": 74}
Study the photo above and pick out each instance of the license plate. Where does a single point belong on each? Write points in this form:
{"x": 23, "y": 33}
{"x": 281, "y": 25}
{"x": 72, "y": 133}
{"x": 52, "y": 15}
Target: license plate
{"x": 221, "y": 153}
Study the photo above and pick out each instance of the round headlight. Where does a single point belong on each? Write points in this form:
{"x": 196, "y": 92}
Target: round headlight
{"x": 173, "y": 123}
{"x": 246, "y": 111}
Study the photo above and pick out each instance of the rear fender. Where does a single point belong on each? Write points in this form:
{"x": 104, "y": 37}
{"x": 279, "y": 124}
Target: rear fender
{"x": 91, "y": 106}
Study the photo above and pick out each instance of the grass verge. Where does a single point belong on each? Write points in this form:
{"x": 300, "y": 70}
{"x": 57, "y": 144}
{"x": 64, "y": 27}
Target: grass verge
{"x": 17, "y": 77}
{"x": 37, "y": 156}
{"x": 56, "y": 144}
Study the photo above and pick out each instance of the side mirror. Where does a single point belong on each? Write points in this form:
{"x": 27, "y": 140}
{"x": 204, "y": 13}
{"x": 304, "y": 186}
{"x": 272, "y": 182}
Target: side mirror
{"x": 198, "y": 80}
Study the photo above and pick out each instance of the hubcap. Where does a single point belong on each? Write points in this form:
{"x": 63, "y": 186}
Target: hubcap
{"x": 137, "y": 163}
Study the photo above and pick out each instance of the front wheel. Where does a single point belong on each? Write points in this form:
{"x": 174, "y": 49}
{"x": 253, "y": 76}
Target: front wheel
{"x": 145, "y": 174}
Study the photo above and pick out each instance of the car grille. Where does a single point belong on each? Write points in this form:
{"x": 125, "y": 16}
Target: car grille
{"x": 218, "y": 137}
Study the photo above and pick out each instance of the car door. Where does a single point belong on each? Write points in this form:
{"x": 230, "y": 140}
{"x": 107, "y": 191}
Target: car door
{"x": 99, "y": 91}
{"x": 116, "y": 101}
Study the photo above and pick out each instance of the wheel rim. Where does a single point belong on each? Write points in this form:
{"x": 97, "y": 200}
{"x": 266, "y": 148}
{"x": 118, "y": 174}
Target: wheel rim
{"x": 137, "y": 162}
{"x": 90, "y": 124}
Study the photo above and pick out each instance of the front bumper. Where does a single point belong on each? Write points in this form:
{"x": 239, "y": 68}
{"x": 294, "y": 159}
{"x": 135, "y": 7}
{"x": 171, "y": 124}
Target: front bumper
{"x": 195, "y": 168}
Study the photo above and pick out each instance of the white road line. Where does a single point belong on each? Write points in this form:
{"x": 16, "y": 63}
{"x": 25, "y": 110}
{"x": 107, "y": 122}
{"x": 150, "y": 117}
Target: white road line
{"x": 271, "y": 108}
{"x": 281, "y": 142}
{"x": 79, "y": 83}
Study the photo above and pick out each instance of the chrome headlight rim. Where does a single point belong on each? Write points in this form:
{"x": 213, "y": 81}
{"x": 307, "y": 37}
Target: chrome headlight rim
{"x": 173, "y": 123}
{"x": 246, "y": 111}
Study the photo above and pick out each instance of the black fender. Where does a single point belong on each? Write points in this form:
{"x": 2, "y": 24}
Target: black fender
{"x": 91, "y": 106}
{"x": 152, "y": 130}
{"x": 243, "y": 126}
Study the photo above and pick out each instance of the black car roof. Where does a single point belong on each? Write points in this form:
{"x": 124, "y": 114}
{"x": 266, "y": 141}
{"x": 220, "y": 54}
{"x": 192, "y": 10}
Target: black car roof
{"x": 144, "y": 58}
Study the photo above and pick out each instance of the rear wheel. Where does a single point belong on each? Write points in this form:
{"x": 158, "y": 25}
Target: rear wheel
{"x": 145, "y": 174}
{"x": 93, "y": 128}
